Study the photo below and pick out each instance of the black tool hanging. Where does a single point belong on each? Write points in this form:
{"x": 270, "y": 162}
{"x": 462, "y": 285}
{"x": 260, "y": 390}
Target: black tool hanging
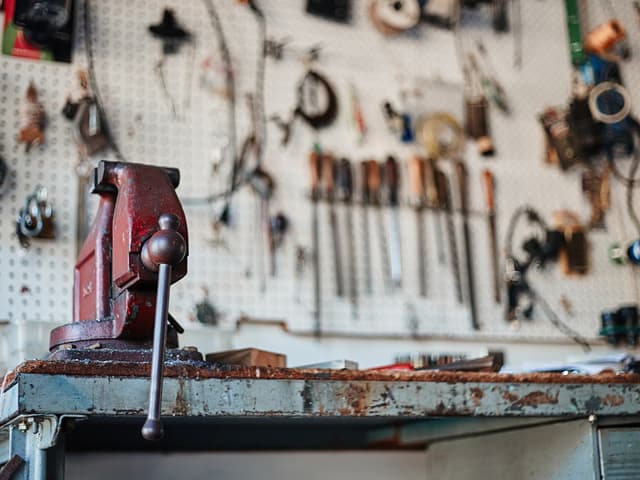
{"x": 172, "y": 36}
{"x": 316, "y": 104}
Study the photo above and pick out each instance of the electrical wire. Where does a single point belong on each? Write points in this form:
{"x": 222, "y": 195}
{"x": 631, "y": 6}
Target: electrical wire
{"x": 223, "y": 48}
{"x": 551, "y": 315}
{"x": 633, "y": 169}
{"x": 93, "y": 82}
{"x": 260, "y": 120}
{"x": 557, "y": 322}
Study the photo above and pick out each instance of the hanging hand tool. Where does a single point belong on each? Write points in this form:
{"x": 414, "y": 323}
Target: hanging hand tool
{"x": 36, "y": 218}
{"x": 262, "y": 185}
{"x": 444, "y": 193}
{"x": 434, "y": 202}
{"x": 32, "y": 119}
{"x": 365, "y": 199}
{"x": 278, "y": 227}
{"x": 345, "y": 192}
{"x": 315, "y": 167}
{"x": 461, "y": 173}
{"x": 329, "y": 174}
{"x": 374, "y": 180}
{"x": 392, "y": 186}
{"x": 489, "y": 190}
{"x": 416, "y": 179}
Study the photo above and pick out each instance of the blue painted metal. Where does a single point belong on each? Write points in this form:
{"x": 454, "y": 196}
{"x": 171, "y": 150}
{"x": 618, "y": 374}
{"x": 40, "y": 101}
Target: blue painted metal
{"x": 229, "y": 397}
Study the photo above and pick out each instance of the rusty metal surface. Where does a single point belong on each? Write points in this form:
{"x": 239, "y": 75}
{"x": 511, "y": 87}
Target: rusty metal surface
{"x": 120, "y": 389}
{"x": 212, "y": 370}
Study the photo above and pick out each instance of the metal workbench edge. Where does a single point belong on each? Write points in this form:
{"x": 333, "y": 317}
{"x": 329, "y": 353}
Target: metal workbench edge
{"x": 38, "y": 393}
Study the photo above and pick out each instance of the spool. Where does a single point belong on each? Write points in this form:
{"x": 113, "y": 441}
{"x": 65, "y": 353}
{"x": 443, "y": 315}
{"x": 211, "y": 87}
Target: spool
{"x": 595, "y": 108}
{"x": 604, "y": 36}
{"x": 441, "y": 134}
{"x": 392, "y": 17}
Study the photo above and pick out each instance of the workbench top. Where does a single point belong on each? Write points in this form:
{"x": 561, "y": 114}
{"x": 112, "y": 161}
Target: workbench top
{"x": 267, "y": 408}
{"x": 203, "y": 389}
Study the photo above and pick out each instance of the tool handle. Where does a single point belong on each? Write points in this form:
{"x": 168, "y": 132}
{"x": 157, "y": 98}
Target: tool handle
{"x": 434, "y": 198}
{"x": 328, "y": 175}
{"x": 392, "y": 179}
{"x": 315, "y": 167}
{"x": 416, "y": 177}
{"x": 160, "y": 253}
{"x": 461, "y": 172}
{"x": 489, "y": 189}
{"x": 364, "y": 182}
{"x": 374, "y": 180}
{"x": 442, "y": 187}
{"x": 345, "y": 180}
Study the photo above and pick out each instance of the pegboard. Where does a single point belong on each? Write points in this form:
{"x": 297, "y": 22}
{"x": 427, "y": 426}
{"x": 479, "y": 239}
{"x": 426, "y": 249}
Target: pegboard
{"x": 37, "y": 284}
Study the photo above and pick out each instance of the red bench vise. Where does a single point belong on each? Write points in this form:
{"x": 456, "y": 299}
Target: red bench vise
{"x": 115, "y": 282}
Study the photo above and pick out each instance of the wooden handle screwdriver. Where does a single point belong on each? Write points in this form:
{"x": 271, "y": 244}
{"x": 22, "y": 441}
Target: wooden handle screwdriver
{"x": 365, "y": 199}
{"x": 416, "y": 181}
{"x": 489, "y": 191}
{"x": 315, "y": 170}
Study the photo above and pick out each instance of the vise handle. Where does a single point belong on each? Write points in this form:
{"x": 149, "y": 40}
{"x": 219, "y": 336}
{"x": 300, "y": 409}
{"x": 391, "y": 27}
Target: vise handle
{"x": 165, "y": 249}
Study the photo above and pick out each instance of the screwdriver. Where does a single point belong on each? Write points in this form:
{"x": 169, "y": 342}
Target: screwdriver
{"x": 444, "y": 191}
{"x": 392, "y": 183}
{"x": 461, "y": 172}
{"x": 416, "y": 180}
{"x": 374, "y": 180}
{"x": 489, "y": 190}
{"x": 345, "y": 192}
{"x": 365, "y": 199}
{"x": 315, "y": 167}
{"x": 328, "y": 178}
{"x": 434, "y": 202}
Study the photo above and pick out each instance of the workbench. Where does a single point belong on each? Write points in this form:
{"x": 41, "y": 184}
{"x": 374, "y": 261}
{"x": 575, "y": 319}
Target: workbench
{"x": 533, "y": 426}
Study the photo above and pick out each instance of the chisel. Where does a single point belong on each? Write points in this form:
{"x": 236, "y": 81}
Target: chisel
{"x": 365, "y": 199}
{"x": 392, "y": 184}
{"x": 315, "y": 167}
{"x": 461, "y": 172}
{"x": 416, "y": 181}
{"x": 345, "y": 192}
{"x": 328, "y": 178}
{"x": 489, "y": 191}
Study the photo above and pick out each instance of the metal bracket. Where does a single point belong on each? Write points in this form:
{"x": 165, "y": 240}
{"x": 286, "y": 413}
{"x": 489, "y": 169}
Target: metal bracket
{"x": 46, "y": 428}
